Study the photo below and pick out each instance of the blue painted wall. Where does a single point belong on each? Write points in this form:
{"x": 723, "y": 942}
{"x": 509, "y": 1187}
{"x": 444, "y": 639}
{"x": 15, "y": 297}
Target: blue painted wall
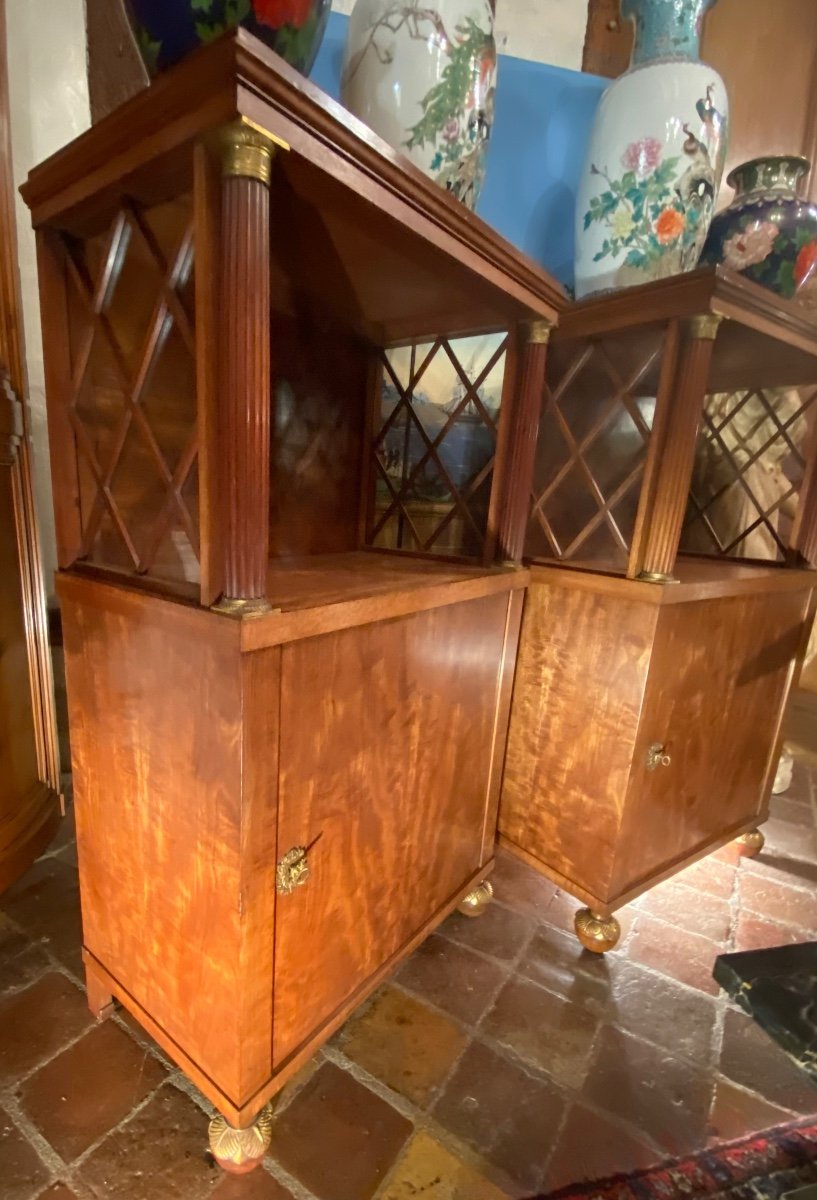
{"x": 543, "y": 121}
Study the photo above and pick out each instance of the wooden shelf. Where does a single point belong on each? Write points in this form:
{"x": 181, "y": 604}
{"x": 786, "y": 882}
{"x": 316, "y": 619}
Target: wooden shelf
{"x": 329, "y": 592}
{"x": 695, "y": 579}
{"x": 764, "y": 340}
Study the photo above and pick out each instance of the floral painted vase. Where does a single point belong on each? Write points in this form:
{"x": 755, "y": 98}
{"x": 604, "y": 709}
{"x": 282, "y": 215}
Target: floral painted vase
{"x": 167, "y": 30}
{"x": 767, "y": 232}
{"x": 656, "y": 155}
{"x": 423, "y": 76}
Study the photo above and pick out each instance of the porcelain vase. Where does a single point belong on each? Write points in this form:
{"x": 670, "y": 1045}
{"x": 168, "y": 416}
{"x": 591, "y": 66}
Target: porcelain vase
{"x": 423, "y": 76}
{"x": 167, "y": 30}
{"x": 656, "y": 155}
{"x": 768, "y": 233}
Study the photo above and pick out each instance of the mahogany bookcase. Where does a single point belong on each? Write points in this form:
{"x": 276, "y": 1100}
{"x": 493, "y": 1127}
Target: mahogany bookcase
{"x": 289, "y": 667}
{"x": 672, "y": 528}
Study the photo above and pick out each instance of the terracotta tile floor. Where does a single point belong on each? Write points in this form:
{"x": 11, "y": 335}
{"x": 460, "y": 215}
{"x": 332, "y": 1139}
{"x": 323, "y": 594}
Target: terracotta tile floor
{"x": 500, "y": 1062}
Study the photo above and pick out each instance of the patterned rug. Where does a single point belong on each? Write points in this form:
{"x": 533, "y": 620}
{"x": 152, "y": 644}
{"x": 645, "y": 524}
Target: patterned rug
{"x": 762, "y": 1167}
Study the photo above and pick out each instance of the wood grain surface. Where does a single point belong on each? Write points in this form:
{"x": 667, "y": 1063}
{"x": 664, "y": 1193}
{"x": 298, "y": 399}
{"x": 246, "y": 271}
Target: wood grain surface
{"x": 580, "y": 680}
{"x": 386, "y": 746}
{"x": 719, "y": 678}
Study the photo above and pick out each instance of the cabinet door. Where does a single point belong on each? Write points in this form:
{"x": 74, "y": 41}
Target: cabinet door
{"x": 387, "y": 755}
{"x": 719, "y": 678}
{"x": 29, "y": 763}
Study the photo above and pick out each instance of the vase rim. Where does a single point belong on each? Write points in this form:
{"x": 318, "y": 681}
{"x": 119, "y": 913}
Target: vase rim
{"x": 793, "y": 160}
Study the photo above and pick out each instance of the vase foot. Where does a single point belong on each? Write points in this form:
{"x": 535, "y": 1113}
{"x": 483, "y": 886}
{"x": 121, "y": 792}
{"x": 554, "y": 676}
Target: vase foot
{"x": 596, "y": 933}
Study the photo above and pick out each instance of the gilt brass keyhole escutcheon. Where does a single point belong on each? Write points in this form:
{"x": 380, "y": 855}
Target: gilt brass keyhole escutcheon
{"x": 656, "y": 757}
{"x": 292, "y": 871}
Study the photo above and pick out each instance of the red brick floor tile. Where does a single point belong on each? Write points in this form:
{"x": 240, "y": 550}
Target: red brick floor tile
{"x": 775, "y": 901}
{"x": 22, "y": 1174}
{"x": 689, "y": 909}
{"x": 687, "y": 957}
{"x": 429, "y": 1170}
{"x": 665, "y": 1097}
{"x": 257, "y": 1185}
{"x": 546, "y": 1031}
{"x": 88, "y": 1089}
{"x": 750, "y": 1058}
{"x": 45, "y": 903}
{"x": 790, "y": 841}
{"x": 12, "y": 939}
{"x": 756, "y": 933}
{"x": 403, "y": 1042}
{"x": 561, "y": 912}
{"x": 337, "y": 1137}
{"x": 520, "y": 887}
{"x": 664, "y": 1012}
{"x": 784, "y": 870}
{"x": 592, "y": 1146}
{"x": 452, "y": 977}
{"x": 69, "y": 855}
{"x": 510, "y": 1116}
{"x": 802, "y": 785}
{"x": 558, "y": 961}
{"x": 499, "y": 932}
{"x": 736, "y": 1113}
{"x": 21, "y": 969}
{"x": 710, "y": 875}
{"x": 36, "y": 1023}
{"x": 66, "y": 833}
{"x": 793, "y": 811}
{"x": 159, "y": 1154}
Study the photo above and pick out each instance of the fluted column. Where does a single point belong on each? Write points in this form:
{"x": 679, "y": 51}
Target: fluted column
{"x": 244, "y": 367}
{"x": 520, "y": 452}
{"x": 675, "y": 433}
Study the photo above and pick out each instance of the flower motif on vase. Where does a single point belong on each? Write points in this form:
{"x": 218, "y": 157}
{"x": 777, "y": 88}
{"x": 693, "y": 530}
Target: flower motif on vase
{"x": 656, "y": 210}
{"x": 777, "y": 256}
{"x": 750, "y": 245}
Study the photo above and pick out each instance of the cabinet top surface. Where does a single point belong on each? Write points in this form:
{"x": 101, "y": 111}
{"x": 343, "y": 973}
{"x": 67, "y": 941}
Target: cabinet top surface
{"x": 763, "y": 340}
{"x": 335, "y": 166}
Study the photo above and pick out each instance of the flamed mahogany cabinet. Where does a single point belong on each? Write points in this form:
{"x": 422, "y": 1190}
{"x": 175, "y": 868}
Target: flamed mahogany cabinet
{"x": 293, "y": 390}
{"x": 673, "y": 520}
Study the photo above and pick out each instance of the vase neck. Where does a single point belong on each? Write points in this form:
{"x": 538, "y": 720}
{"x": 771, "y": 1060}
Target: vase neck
{"x": 780, "y": 173}
{"x": 666, "y": 29}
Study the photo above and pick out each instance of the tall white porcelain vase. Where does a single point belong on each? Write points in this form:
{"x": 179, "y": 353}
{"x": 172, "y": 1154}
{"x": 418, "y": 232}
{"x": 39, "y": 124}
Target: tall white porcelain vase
{"x": 423, "y": 76}
{"x": 656, "y": 155}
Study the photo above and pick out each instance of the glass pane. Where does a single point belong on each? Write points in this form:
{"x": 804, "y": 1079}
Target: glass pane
{"x": 439, "y": 445}
{"x": 749, "y": 469}
{"x": 600, "y": 394}
{"x": 142, "y": 354}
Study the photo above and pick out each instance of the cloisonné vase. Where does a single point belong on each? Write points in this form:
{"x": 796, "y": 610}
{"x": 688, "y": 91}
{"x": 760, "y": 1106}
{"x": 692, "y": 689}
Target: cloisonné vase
{"x": 167, "y": 30}
{"x": 423, "y": 76}
{"x": 768, "y": 233}
{"x": 656, "y": 155}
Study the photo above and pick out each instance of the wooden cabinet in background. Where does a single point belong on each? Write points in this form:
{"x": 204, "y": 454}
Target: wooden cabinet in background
{"x": 673, "y": 527}
{"x": 29, "y": 757}
{"x": 767, "y": 56}
{"x": 292, "y": 391}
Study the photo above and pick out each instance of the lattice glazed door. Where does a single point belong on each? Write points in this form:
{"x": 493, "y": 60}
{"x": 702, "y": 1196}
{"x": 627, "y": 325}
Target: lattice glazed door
{"x": 132, "y": 403}
{"x": 750, "y": 467}
{"x": 434, "y": 447}
{"x": 597, "y": 416}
